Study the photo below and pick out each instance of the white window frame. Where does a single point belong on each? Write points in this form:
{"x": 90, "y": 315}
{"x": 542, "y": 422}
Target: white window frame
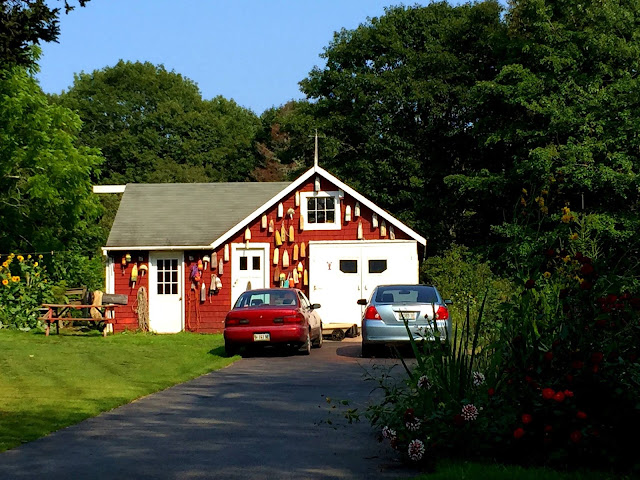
{"x": 336, "y": 225}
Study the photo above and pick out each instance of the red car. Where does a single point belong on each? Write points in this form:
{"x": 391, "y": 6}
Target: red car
{"x": 276, "y": 316}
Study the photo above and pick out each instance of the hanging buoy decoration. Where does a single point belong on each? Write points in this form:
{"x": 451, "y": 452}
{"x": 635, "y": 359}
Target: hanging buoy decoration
{"x": 374, "y": 220}
{"x": 276, "y": 256}
{"x": 214, "y": 261}
{"x": 383, "y": 229}
{"x": 356, "y": 210}
{"x": 143, "y": 270}
{"x": 303, "y": 250}
{"x": 200, "y": 265}
{"x": 281, "y": 279}
{"x": 285, "y": 259}
{"x": 280, "y": 210}
{"x": 276, "y": 275}
{"x": 300, "y": 267}
{"x": 306, "y": 278}
{"x": 226, "y": 253}
{"x": 203, "y": 293}
{"x": 296, "y": 277}
{"x": 124, "y": 265}
{"x": 295, "y": 252}
{"x": 212, "y": 287}
{"x": 134, "y": 274}
{"x": 301, "y": 226}
{"x": 247, "y": 235}
{"x": 316, "y": 185}
{"x": 263, "y": 222}
{"x": 360, "y": 230}
{"x": 278, "y": 239}
{"x": 220, "y": 267}
{"x": 283, "y": 233}
{"x": 392, "y": 233}
{"x": 347, "y": 213}
{"x": 206, "y": 261}
{"x": 292, "y": 236}
{"x": 127, "y": 257}
{"x": 271, "y": 226}
{"x": 290, "y": 212}
{"x": 297, "y": 199}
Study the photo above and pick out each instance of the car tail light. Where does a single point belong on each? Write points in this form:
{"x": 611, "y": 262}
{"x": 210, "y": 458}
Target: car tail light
{"x": 371, "y": 314}
{"x": 229, "y": 321}
{"x": 442, "y": 313}
{"x": 297, "y": 318}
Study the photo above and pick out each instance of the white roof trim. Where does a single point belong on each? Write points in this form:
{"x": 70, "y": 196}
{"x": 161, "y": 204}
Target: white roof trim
{"x": 155, "y": 248}
{"x": 381, "y": 213}
{"x": 252, "y": 216}
{"x": 109, "y": 188}
{"x": 343, "y": 186}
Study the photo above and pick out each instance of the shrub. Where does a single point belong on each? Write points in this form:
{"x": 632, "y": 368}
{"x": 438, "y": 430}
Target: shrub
{"x": 24, "y": 286}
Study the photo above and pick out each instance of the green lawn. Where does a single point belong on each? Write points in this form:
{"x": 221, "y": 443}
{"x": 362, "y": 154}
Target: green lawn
{"x": 47, "y": 383}
{"x": 478, "y": 471}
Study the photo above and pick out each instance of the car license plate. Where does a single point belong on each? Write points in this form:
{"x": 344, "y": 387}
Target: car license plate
{"x": 408, "y": 316}
{"x": 261, "y": 337}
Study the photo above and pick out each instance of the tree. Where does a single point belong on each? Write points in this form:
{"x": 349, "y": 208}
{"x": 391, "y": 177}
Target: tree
{"x": 46, "y": 201}
{"x": 395, "y": 101}
{"x": 152, "y": 125}
{"x": 25, "y": 23}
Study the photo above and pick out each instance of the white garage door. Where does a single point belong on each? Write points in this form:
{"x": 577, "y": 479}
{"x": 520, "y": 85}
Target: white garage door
{"x": 341, "y": 272}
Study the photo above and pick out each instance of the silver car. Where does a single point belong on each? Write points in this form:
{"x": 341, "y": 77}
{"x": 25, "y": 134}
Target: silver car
{"x": 391, "y": 306}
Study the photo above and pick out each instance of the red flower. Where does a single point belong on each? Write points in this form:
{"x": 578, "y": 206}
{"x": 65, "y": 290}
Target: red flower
{"x": 548, "y": 429}
{"x": 518, "y": 433}
{"x": 548, "y": 356}
{"x": 568, "y": 393}
{"x": 577, "y": 364}
{"x": 409, "y": 414}
{"x": 611, "y": 299}
{"x": 595, "y": 369}
{"x": 597, "y": 357}
{"x": 581, "y": 415}
{"x": 548, "y": 393}
{"x": 586, "y": 269}
{"x": 529, "y": 284}
{"x": 586, "y": 285}
{"x": 559, "y": 397}
{"x": 569, "y": 378}
{"x": 527, "y": 419}
{"x": 550, "y": 252}
{"x": 575, "y": 436}
{"x": 491, "y": 392}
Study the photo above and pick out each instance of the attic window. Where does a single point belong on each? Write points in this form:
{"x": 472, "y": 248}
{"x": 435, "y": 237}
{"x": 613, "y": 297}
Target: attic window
{"x": 321, "y": 210}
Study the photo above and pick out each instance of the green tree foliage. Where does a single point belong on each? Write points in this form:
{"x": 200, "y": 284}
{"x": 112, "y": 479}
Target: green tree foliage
{"x": 45, "y": 178}
{"x": 23, "y": 24}
{"x": 152, "y": 125}
{"x": 443, "y": 114}
{"x": 395, "y": 99}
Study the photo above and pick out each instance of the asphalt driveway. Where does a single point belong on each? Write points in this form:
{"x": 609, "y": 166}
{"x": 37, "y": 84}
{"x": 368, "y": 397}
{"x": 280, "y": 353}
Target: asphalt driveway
{"x": 264, "y": 417}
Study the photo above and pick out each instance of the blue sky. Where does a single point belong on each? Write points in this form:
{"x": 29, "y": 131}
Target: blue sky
{"x": 253, "y": 51}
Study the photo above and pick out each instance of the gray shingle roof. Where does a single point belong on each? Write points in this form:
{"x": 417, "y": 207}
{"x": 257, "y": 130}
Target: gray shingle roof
{"x": 185, "y": 214}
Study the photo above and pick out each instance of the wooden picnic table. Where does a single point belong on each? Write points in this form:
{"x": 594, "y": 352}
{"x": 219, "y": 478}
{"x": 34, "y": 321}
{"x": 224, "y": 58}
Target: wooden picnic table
{"x": 57, "y": 312}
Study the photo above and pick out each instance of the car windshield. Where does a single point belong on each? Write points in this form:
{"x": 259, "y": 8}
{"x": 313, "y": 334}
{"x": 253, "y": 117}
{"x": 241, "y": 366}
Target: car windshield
{"x": 406, "y": 294}
{"x": 266, "y": 297}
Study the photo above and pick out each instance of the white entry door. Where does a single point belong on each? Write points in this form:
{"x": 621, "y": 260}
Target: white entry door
{"x": 165, "y": 292}
{"x": 249, "y": 268}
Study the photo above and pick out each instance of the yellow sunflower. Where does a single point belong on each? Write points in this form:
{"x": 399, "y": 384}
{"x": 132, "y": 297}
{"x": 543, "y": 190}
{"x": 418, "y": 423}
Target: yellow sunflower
{"x": 20, "y": 258}
{"x": 5, "y": 282}
{"x": 15, "y": 278}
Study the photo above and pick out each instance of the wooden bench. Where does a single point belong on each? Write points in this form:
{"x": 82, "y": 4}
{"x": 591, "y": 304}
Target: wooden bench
{"x": 57, "y": 312}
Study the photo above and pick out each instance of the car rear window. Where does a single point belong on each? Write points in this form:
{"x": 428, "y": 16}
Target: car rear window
{"x": 265, "y": 298}
{"x": 406, "y": 294}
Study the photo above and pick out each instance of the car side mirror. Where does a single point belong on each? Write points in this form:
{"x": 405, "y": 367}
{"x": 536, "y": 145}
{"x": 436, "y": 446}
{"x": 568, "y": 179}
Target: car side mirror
{"x": 448, "y": 302}
{"x": 362, "y": 301}
{"x": 315, "y": 306}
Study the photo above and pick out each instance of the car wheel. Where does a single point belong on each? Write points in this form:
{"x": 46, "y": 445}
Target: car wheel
{"x": 230, "y": 349}
{"x": 318, "y": 342}
{"x": 305, "y": 349}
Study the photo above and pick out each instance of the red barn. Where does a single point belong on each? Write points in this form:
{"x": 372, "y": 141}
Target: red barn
{"x": 315, "y": 233}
